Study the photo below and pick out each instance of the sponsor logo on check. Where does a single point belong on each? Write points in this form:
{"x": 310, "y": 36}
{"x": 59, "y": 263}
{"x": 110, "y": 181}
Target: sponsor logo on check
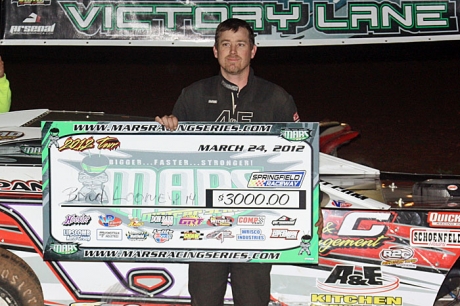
{"x": 282, "y": 179}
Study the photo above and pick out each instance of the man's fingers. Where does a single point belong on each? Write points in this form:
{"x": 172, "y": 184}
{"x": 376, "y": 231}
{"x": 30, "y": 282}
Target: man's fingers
{"x": 158, "y": 119}
{"x": 169, "y": 122}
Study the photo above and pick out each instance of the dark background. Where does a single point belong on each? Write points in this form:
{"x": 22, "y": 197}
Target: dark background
{"x": 402, "y": 98}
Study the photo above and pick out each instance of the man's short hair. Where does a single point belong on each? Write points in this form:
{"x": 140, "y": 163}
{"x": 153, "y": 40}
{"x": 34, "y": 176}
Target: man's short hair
{"x": 234, "y": 24}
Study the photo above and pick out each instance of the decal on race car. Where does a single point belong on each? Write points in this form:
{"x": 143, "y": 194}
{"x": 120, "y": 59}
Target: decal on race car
{"x": 444, "y": 219}
{"x": 10, "y": 135}
{"x": 435, "y": 238}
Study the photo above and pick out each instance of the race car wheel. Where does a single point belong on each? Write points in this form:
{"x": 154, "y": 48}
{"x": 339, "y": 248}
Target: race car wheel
{"x": 19, "y": 286}
{"x": 7, "y": 299}
{"x": 449, "y": 292}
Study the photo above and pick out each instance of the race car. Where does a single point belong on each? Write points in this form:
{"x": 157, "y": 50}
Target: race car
{"x": 388, "y": 238}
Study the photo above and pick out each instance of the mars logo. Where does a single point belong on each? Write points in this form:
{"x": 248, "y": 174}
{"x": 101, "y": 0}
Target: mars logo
{"x": 64, "y": 248}
{"x": 31, "y": 150}
{"x": 348, "y": 279}
{"x": 296, "y": 134}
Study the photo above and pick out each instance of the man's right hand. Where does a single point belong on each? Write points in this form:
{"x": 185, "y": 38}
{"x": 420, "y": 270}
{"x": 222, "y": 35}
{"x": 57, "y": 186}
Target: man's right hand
{"x": 170, "y": 122}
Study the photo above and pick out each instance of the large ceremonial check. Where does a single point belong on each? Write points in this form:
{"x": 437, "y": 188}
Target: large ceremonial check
{"x": 226, "y": 192}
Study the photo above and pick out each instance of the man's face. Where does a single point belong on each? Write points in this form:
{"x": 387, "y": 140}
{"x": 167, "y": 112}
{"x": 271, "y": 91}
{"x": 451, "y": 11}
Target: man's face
{"x": 234, "y": 51}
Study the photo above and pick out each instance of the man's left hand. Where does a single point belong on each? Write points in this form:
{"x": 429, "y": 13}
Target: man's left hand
{"x": 2, "y": 68}
{"x": 170, "y": 122}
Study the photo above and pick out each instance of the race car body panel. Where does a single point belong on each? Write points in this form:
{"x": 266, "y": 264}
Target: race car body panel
{"x": 388, "y": 238}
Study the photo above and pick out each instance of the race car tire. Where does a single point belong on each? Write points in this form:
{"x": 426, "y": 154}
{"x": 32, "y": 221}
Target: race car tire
{"x": 19, "y": 286}
{"x": 450, "y": 286}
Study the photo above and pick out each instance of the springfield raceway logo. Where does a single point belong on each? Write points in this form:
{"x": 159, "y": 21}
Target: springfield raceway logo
{"x": 444, "y": 219}
{"x": 351, "y": 284}
{"x": 435, "y": 238}
{"x": 280, "y": 179}
{"x": 33, "y": 26}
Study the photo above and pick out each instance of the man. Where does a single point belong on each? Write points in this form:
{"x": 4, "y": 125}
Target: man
{"x": 5, "y": 91}
{"x": 235, "y": 95}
